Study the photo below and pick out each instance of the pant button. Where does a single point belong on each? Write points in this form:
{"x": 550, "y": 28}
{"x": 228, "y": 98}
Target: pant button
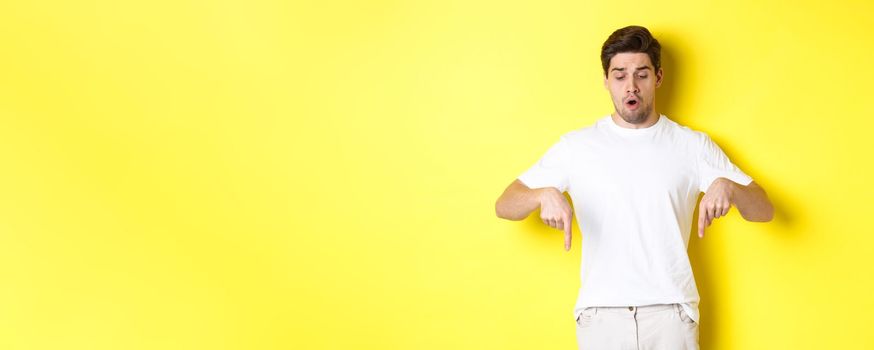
{"x": 631, "y": 308}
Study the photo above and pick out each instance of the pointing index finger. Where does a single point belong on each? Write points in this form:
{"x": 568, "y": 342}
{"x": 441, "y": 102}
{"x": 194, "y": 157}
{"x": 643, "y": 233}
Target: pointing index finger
{"x": 568, "y": 229}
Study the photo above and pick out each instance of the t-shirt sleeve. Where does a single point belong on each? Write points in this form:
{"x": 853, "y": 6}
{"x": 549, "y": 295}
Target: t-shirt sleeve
{"x": 713, "y": 164}
{"x": 551, "y": 170}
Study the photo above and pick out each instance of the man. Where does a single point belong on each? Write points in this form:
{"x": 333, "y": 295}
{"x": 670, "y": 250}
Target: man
{"x": 634, "y": 177}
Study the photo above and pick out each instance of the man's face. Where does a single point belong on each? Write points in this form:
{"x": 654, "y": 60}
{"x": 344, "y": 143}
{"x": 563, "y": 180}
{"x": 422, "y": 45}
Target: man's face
{"x": 632, "y": 83}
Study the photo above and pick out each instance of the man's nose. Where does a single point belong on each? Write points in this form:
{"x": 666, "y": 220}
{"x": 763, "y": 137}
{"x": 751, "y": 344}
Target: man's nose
{"x": 632, "y": 87}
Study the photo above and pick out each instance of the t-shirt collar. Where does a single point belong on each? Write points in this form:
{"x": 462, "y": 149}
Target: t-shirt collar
{"x": 642, "y": 131}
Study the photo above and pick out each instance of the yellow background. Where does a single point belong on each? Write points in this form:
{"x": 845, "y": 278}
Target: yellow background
{"x": 322, "y": 175}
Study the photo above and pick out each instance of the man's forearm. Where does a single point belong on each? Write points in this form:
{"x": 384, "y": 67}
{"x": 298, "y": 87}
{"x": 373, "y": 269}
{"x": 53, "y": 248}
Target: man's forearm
{"x": 752, "y": 202}
{"x": 517, "y": 201}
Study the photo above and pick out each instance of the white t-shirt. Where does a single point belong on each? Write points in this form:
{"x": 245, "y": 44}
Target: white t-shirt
{"x": 634, "y": 192}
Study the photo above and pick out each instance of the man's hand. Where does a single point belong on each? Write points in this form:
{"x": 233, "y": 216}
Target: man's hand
{"x": 556, "y": 212}
{"x": 715, "y": 203}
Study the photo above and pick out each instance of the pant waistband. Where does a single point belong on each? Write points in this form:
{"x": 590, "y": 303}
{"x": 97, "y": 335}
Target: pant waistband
{"x": 638, "y": 309}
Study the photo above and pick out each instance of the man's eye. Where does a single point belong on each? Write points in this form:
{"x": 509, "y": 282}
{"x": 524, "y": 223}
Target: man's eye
{"x": 642, "y": 76}
{"x": 619, "y": 78}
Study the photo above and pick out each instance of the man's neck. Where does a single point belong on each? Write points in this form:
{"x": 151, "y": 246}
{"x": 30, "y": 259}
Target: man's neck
{"x": 651, "y": 119}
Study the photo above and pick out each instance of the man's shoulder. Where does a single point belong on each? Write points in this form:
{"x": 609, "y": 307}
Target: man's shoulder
{"x": 583, "y": 132}
{"x": 686, "y": 131}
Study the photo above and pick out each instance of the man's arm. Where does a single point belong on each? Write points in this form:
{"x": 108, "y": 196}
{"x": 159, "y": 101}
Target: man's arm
{"x": 752, "y": 202}
{"x": 518, "y": 201}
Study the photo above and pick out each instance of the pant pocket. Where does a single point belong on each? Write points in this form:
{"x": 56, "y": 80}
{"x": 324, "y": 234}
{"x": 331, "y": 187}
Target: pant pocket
{"x": 586, "y": 316}
{"x": 684, "y": 317}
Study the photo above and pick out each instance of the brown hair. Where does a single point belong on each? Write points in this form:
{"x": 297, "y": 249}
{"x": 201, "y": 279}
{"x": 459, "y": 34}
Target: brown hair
{"x": 631, "y": 39}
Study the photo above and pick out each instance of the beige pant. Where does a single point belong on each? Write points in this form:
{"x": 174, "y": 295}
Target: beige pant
{"x": 650, "y": 327}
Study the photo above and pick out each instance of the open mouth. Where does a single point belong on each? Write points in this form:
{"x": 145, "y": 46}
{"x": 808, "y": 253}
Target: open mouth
{"x": 632, "y": 103}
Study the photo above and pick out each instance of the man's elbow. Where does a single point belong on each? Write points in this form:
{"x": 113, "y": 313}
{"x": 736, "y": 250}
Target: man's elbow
{"x": 498, "y": 209}
{"x": 765, "y": 215}
{"x": 502, "y": 213}
{"x": 766, "y": 211}
{"x": 769, "y": 214}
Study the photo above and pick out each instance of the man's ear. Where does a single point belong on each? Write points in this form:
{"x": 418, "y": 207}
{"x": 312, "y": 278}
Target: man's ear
{"x": 605, "y": 83}
{"x": 659, "y": 76}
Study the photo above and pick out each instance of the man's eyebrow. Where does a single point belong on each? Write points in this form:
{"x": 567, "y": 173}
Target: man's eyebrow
{"x": 623, "y": 69}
